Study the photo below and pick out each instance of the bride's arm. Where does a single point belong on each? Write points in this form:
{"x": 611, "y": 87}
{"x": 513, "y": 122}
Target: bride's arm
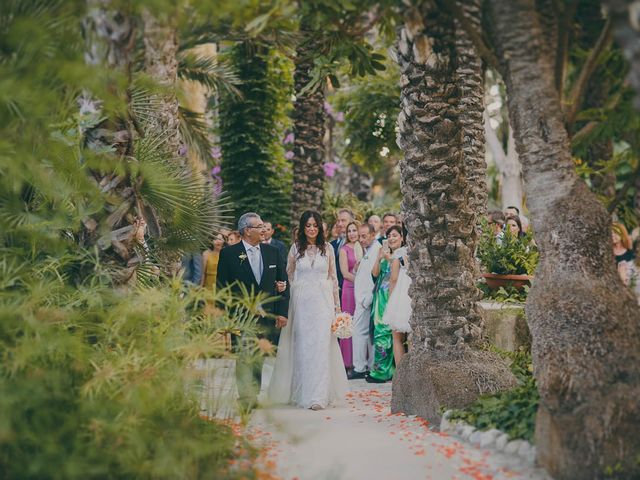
{"x": 333, "y": 276}
{"x": 291, "y": 262}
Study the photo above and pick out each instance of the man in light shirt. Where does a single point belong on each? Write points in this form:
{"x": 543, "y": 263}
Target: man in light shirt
{"x": 363, "y": 289}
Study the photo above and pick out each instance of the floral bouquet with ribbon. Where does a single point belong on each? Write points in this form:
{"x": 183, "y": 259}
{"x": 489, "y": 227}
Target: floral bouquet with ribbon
{"x": 342, "y": 326}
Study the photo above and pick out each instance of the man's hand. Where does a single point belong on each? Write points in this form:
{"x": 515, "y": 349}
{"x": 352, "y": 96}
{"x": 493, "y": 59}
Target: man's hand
{"x": 281, "y": 321}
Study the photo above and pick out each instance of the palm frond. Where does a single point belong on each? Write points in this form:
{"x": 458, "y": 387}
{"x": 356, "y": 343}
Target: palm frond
{"x": 215, "y": 75}
{"x": 184, "y": 200}
{"x": 144, "y": 104}
{"x": 195, "y": 132}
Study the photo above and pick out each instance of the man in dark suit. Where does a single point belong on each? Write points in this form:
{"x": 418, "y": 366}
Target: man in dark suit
{"x": 274, "y": 242}
{"x": 258, "y": 267}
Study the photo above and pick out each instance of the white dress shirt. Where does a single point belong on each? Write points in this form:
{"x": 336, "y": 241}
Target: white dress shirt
{"x": 255, "y": 259}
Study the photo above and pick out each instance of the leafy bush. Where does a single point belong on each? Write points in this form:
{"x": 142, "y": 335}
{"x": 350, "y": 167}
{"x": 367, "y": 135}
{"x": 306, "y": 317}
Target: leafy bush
{"x": 99, "y": 383}
{"x": 505, "y": 294}
{"x": 508, "y": 255}
{"x": 513, "y": 411}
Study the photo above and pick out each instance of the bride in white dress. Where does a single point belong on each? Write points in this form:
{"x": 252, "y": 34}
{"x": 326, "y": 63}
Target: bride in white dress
{"x": 309, "y": 371}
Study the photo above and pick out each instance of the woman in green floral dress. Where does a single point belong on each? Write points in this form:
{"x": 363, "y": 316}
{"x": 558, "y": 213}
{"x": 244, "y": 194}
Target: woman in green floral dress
{"x": 383, "y": 365}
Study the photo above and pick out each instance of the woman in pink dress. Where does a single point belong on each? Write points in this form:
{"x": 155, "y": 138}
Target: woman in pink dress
{"x": 349, "y": 258}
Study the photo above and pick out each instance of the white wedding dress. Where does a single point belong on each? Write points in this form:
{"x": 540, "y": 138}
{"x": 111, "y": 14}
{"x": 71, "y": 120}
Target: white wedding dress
{"x": 309, "y": 369}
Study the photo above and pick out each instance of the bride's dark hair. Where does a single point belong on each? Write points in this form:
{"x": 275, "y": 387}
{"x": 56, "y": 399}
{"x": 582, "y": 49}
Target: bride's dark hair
{"x": 301, "y": 241}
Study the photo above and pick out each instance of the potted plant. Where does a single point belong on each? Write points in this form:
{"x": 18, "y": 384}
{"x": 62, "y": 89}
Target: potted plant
{"x": 507, "y": 260}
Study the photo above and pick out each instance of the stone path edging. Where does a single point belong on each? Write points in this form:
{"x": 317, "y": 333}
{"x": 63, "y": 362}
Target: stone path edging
{"x": 494, "y": 439}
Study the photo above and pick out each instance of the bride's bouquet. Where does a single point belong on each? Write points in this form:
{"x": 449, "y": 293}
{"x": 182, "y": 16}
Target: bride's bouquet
{"x": 342, "y": 326}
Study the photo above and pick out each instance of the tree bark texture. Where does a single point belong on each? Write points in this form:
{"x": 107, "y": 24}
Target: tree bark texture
{"x": 625, "y": 15}
{"x": 161, "y": 64}
{"x": 440, "y": 213}
{"x": 584, "y": 323}
{"x": 471, "y": 83}
{"x": 309, "y": 129}
{"x": 508, "y": 166}
{"x": 109, "y": 41}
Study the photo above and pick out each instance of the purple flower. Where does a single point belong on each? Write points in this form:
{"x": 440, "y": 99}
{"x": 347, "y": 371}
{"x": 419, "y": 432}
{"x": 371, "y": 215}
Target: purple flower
{"x": 182, "y": 150}
{"x": 290, "y": 138}
{"x": 330, "y": 168}
{"x": 289, "y": 155}
{"x": 339, "y": 117}
{"x": 216, "y": 152}
{"x": 328, "y": 108}
{"x": 216, "y": 170}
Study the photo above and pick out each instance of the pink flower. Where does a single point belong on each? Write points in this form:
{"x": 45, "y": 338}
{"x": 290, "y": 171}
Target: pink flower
{"x": 290, "y": 138}
{"x": 289, "y": 155}
{"x": 328, "y": 108}
{"x": 339, "y": 117}
{"x": 330, "y": 168}
{"x": 216, "y": 170}
{"x": 216, "y": 152}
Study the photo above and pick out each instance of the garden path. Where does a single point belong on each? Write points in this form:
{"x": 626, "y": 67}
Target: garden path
{"x": 364, "y": 441}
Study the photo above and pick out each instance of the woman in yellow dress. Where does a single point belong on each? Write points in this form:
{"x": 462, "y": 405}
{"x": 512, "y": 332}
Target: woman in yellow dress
{"x": 210, "y": 259}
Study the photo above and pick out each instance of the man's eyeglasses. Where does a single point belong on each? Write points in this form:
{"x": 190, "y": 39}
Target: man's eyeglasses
{"x": 259, "y": 227}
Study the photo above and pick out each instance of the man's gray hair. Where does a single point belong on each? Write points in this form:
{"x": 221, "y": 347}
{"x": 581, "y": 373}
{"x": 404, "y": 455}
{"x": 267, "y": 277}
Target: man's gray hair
{"x": 244, "y": 221}
{"x": 370, "y": 227}
{"x": 348, "y": 212}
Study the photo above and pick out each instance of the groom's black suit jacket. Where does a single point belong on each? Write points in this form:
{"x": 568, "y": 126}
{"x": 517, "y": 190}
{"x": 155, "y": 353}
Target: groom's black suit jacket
{"x": 233, "y": 269}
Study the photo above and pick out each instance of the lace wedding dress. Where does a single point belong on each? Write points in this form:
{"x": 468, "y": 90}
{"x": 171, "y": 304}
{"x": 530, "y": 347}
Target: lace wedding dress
{"x": 309, "y": 369}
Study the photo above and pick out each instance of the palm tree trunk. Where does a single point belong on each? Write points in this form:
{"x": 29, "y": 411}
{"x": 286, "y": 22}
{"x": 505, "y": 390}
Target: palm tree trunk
{"x": 470, "y": 78}
{"x": 161, "y": 64}
{"x": 440, "y": 161}
{"x": 583, "y": 321}
{"x": 309, "y": 128}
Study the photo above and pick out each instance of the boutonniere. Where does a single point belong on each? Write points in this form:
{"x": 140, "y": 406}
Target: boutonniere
{"x": 242, "y": 257}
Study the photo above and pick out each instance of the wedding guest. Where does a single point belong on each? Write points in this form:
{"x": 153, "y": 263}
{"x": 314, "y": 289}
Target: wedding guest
{"x": 515, "y": 211}
{"x": 388, "y": 220}
{"x": 513, "y": 224}
{"x": 625, "y": 257}
{"x": 383, "y": 367}
{"x": 348, "y": 258}
{"x": 335, "y": 232}
{"x": 344, "y": 217}
{"x": 376, "y": 223}
{"x": 495, "y": 219}
{"x": 210, "y": 258}
{"x": 363, "y": 290}
{"x": 234, "y": 238}
{"x": 398, "y": 311}
{"x": 274, "y": 242}
{"x": 192, "y": 268}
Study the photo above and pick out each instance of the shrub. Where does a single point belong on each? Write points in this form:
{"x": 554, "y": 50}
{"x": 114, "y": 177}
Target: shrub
{"x": 509, "y": 255}
{"x": 512, "y": 411}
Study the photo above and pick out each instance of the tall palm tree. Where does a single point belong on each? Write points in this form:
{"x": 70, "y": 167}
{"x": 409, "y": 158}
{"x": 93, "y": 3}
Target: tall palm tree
{"x": 309, "y": 129}
{"x": 583, "y": 321}
{"x": 150, "y": 179}
{"x": 440, "y": 79}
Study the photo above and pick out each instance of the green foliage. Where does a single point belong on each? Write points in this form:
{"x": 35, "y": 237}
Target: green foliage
{"x": 513, "y": 411}
{"x": 509, "y": 255}
{"x": 255, "y": 172}
{"x": 96, "y": 381}
{"x": 371, "y": 108}
{"x": 361, "y": 210}
{"x": 505, "y": 295}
